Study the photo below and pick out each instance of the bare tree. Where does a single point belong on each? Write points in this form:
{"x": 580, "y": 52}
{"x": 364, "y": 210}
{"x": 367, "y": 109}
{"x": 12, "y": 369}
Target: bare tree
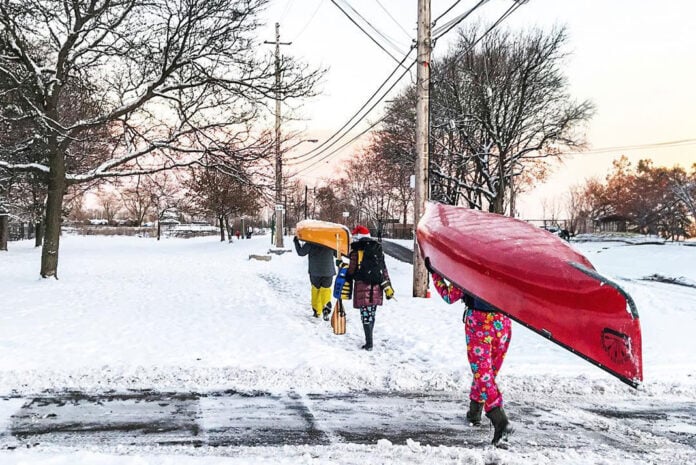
{"x": 500, "y": 105}
{"x": 329, "y": 204}
{"x": 684, "y": 188}
{"x": 171, "y": 82}
{"x": 109, "y": 204}
{"x": 550, "y": 211}
{"x": 166, "y": 195}
{"x": 499, "y": 108}
{"x": 217, "y": 193}
{"x": 136, "y": 198}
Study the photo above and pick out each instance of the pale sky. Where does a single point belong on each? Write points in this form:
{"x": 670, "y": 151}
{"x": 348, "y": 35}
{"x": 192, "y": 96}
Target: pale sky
{"x": 635, "y": 59}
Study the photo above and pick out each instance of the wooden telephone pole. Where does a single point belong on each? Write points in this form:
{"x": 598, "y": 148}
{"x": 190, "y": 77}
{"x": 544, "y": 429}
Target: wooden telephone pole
{"x": 279, "y": 209}
{"x": 420, "y": 274}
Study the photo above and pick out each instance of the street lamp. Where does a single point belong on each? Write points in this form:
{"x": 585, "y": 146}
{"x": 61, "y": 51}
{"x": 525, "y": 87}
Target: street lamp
{"x": 279, "y": 207}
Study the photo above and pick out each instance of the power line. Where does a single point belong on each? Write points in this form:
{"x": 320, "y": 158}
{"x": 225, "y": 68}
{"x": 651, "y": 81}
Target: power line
{"x": 446, "y": 11}
{"x": 654, "y": 145}
{"x": 384, "y": 36}
{"x": 449, "y": 25}
{"x": 319, "y": 154}
{"x": 335, "y": 135}
{"x": 316, "y": 10}
{"x": 504, "y": 16}
{"x": 367, "y": 33}
{"x": 316, "y": 163}
{"x": 410, "y": 38}
{"x": 285, "y": 11}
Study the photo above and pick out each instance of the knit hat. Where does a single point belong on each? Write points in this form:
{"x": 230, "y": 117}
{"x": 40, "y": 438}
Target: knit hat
{"x": 359, "y": 232}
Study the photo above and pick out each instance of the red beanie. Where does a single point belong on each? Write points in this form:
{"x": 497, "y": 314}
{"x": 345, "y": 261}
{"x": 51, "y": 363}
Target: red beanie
{"x": 360, "y": 230}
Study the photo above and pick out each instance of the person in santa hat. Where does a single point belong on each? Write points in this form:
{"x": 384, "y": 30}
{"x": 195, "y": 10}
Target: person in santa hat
{"x": 371, "y": 279}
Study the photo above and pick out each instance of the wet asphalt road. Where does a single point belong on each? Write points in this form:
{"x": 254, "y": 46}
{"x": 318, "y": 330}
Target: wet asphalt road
{"x": 148, "y": 418}
{"x": 398, "y": 251}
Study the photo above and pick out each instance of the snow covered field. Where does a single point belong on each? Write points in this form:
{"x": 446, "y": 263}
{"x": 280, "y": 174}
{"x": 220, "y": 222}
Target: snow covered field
{"x": 198, "y": 316}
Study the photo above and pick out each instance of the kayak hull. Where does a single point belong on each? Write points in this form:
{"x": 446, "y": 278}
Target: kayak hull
{"x": 538, "y": 280}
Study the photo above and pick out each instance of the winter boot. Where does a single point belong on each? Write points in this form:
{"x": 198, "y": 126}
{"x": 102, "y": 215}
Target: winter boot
{"x": 368, "y": 336}
{"x": 473, "y": 416}
{"x": 327, "y": 312}
{"x": 501, "y": 425}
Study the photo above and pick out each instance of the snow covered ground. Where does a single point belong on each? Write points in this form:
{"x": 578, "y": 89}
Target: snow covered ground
{"x": 197, "y": 316}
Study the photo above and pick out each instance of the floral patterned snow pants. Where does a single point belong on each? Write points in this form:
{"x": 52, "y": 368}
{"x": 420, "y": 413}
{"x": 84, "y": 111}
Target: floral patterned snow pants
{"x": 487, "y": 341}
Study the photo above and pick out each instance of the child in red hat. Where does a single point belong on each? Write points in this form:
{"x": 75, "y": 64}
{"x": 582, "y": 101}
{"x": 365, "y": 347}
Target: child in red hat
{"x": 371, "y": 278}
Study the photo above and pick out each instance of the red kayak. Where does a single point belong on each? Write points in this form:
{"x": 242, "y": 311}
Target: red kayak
{"x": 538, "y": 280}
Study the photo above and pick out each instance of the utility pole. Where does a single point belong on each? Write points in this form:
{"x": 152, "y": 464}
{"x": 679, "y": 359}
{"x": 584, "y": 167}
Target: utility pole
{"x": 306, "y": 188}
{"x": 279, "y": 224}
{"x": 420, "y": 274}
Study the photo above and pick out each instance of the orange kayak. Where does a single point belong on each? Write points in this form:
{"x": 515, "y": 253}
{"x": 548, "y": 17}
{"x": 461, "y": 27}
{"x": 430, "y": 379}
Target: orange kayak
{"x": 332, "y": 235}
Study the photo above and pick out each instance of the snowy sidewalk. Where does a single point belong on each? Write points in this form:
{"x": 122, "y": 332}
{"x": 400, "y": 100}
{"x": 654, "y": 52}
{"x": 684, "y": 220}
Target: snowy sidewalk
{"x": 231, "y": 419}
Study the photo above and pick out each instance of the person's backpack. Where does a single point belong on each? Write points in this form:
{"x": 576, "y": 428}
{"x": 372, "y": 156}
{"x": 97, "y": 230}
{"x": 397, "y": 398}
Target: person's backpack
{"x": 372, "y": 263}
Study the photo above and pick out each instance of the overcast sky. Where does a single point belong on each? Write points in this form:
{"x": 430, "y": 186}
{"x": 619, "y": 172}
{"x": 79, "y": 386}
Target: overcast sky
{"x": 633, "y": 58}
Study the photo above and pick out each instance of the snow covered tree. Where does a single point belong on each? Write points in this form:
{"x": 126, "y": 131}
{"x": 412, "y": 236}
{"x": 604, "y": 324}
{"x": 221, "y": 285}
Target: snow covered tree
{"x": 501, "y": 104}
{"x": 215, "y": 192}
{"x": 499, "y": 107}
{"x": 136, "y": 198}
{"x": 647, "y": 196}
{"x": 169, "y": 82}
{"x": 684, "y": 188}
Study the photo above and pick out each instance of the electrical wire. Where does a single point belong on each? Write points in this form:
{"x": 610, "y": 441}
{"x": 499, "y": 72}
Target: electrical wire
{"x": 655, "y": 145}
{"x": 286, "y": 10}
{"x": 502, "y": 18}
{"x": 335, "y": 135}
{"x": 410, "y": 38}
{"x": 449, "y": 25}
{"x": 446, "y": 11}
{"x": 384, "y": 36}
{"x": 316, "y": 10}
{"x": 365, "y": 32}
{"x": 316, "y": 164}
{"x": 319, "y": 151}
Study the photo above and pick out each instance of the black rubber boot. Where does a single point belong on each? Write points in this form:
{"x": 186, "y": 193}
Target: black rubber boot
{"x": 473, "y": 416}
{"x": 327, "y": 312}
{"x": 368, "y": 336}
{"x": 501, "y": 425}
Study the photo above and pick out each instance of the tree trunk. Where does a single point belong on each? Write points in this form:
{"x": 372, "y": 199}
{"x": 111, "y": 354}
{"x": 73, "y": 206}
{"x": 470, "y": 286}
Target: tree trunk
{"x": 54, "y": 210}
{"x": 159, "y": 226}
{"x": 498, "y": 204}
{"x": 227, "y": 228}
{"x": 221, "y": 219}
{"x": 38, "y": 234}
{"x": 4, "y": 231}
{"x": 512, "y": 198}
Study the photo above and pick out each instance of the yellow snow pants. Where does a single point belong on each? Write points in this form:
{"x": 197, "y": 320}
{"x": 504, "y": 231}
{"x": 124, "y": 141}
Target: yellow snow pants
{"x": 321, "y": 293}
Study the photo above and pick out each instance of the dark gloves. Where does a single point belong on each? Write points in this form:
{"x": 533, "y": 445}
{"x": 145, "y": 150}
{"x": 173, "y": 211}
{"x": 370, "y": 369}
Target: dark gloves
{"x": 428, "y": 266}
{"x": 296, "y": 240}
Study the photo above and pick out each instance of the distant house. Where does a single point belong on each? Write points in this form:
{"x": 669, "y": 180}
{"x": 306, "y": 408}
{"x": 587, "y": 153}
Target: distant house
{"x": 612, "y": 223}
{"x": 169, "y": 223}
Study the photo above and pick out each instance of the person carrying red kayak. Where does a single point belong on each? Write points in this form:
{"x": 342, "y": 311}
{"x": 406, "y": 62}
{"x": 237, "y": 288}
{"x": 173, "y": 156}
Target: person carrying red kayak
{"x": 487, "y": 341}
